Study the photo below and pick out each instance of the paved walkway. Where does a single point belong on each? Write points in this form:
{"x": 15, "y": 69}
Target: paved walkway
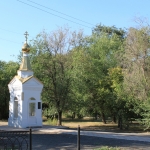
{"x": 126, "y": 136}
{"x": 62, "y": 130}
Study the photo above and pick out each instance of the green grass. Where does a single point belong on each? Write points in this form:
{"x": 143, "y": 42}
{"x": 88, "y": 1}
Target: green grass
{"x": 108, "y": 148}
{"x": 51, "y": 122}
{"x": 90, "y": 124}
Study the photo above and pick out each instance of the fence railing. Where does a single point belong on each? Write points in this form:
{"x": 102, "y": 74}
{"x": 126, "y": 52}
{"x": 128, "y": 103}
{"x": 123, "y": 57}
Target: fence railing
{"x": 16, "y": 140}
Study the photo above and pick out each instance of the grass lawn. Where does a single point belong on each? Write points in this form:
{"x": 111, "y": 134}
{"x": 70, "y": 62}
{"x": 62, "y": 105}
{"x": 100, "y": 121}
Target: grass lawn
{"x": 108, "y": 148}
{"x": 90, "y": 124}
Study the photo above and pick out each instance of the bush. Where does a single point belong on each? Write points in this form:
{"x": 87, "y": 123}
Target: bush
{"x": 52, "y": 122}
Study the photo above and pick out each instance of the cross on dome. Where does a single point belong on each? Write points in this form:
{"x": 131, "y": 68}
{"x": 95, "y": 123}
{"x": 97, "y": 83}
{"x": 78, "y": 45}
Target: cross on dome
{"x": 25, "y": 65}
{"x": 26, "y": 47}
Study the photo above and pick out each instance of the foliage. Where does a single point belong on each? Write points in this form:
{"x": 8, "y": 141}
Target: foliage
{"x": 7, "y": 72}
{"x": 136, "y": 62}
{"x": 102, "y": 53}
{"x": 52, "y": 122}
{"x": 52, "y": 66}
{"x": 145, "y": 121}
{"x": 110, "y": 31}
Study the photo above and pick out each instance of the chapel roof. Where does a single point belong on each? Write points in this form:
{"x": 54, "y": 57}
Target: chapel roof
{"x": 25, "y": 65}
{"x": 23, "y": 80}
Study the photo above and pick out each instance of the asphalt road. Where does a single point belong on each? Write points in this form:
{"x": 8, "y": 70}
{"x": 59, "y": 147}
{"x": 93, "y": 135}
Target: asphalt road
{"x": 55, "y": 141}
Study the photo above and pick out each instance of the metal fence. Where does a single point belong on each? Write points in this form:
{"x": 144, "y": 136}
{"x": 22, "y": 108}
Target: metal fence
{"x": 16, "y": 140}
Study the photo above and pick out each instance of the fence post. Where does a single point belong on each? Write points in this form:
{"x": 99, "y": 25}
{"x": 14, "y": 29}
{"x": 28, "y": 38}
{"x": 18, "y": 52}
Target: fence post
{"x": 30, "y": 139}
{"x": 78, "y": 138}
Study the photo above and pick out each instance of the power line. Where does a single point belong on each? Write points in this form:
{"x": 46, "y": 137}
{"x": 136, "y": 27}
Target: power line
{"x": 46, "y": 12}
{"x": 61, "y": 13}
{"x": 11, "y": 31}
{"x": 9, "y": 40}
{"x": 53, "y": 14}
{"x": 14, "y": 32}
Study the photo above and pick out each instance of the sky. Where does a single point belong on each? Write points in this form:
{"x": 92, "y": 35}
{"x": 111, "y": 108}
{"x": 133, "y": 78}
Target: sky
{"x": 34, "y": 16}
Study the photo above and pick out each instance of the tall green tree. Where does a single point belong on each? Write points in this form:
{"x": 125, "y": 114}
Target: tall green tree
{"x": 99, "y": 53}
{"x": 52, "y": 66}
{"x": 137, "y": 69}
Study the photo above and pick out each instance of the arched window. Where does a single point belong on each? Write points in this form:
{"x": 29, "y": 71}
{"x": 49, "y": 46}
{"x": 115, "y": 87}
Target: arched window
{"x": 15, "y": 108}
{"x": 32, "y": 106}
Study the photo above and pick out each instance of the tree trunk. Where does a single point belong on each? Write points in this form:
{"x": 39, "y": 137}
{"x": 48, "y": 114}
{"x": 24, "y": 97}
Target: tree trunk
{"x": 47, "y": 114}
{"x": 103, "y": 117}
{"x": 59, "y": 123}
{"x": 114, "y": 118}
{"x": 95, "y": 115}
{"x": 120, "y": 123}
{"x": 73, "y": 115}
{"x": 0, "y": 116}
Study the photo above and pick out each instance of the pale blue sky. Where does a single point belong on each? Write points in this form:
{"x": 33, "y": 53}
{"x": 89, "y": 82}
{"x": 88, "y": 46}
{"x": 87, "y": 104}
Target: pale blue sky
{"x": 18, "y": 16}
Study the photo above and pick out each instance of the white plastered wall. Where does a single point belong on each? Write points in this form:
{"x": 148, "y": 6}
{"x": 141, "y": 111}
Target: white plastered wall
{"x": 15, "y": 88}
{"x": 24, "y": 92}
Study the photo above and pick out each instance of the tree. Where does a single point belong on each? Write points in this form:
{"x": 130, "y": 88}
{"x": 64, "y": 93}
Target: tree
{"x": 136, "y": 66}
{"x": 99, "y": 54}
{"x": 7, "y": 72}
{"x": 110, "y": 31}
{"x": 52, "y": 66}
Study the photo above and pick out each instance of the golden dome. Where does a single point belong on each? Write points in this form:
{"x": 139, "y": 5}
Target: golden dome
{"x": 26, "y": 47}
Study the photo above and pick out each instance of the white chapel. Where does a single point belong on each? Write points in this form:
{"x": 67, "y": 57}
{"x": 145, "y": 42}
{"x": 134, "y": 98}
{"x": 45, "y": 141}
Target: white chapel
{"x": 25, "y": 106}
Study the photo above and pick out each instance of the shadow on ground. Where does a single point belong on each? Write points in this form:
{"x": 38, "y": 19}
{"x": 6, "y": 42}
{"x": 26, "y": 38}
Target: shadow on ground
{"x": 56, "y": 141}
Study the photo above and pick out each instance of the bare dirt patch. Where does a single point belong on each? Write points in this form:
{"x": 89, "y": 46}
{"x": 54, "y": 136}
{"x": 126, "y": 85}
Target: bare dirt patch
{"x": 3, "y": 123}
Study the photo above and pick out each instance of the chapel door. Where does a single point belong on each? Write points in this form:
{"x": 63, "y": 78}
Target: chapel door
{"x": 32, "y": 111}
